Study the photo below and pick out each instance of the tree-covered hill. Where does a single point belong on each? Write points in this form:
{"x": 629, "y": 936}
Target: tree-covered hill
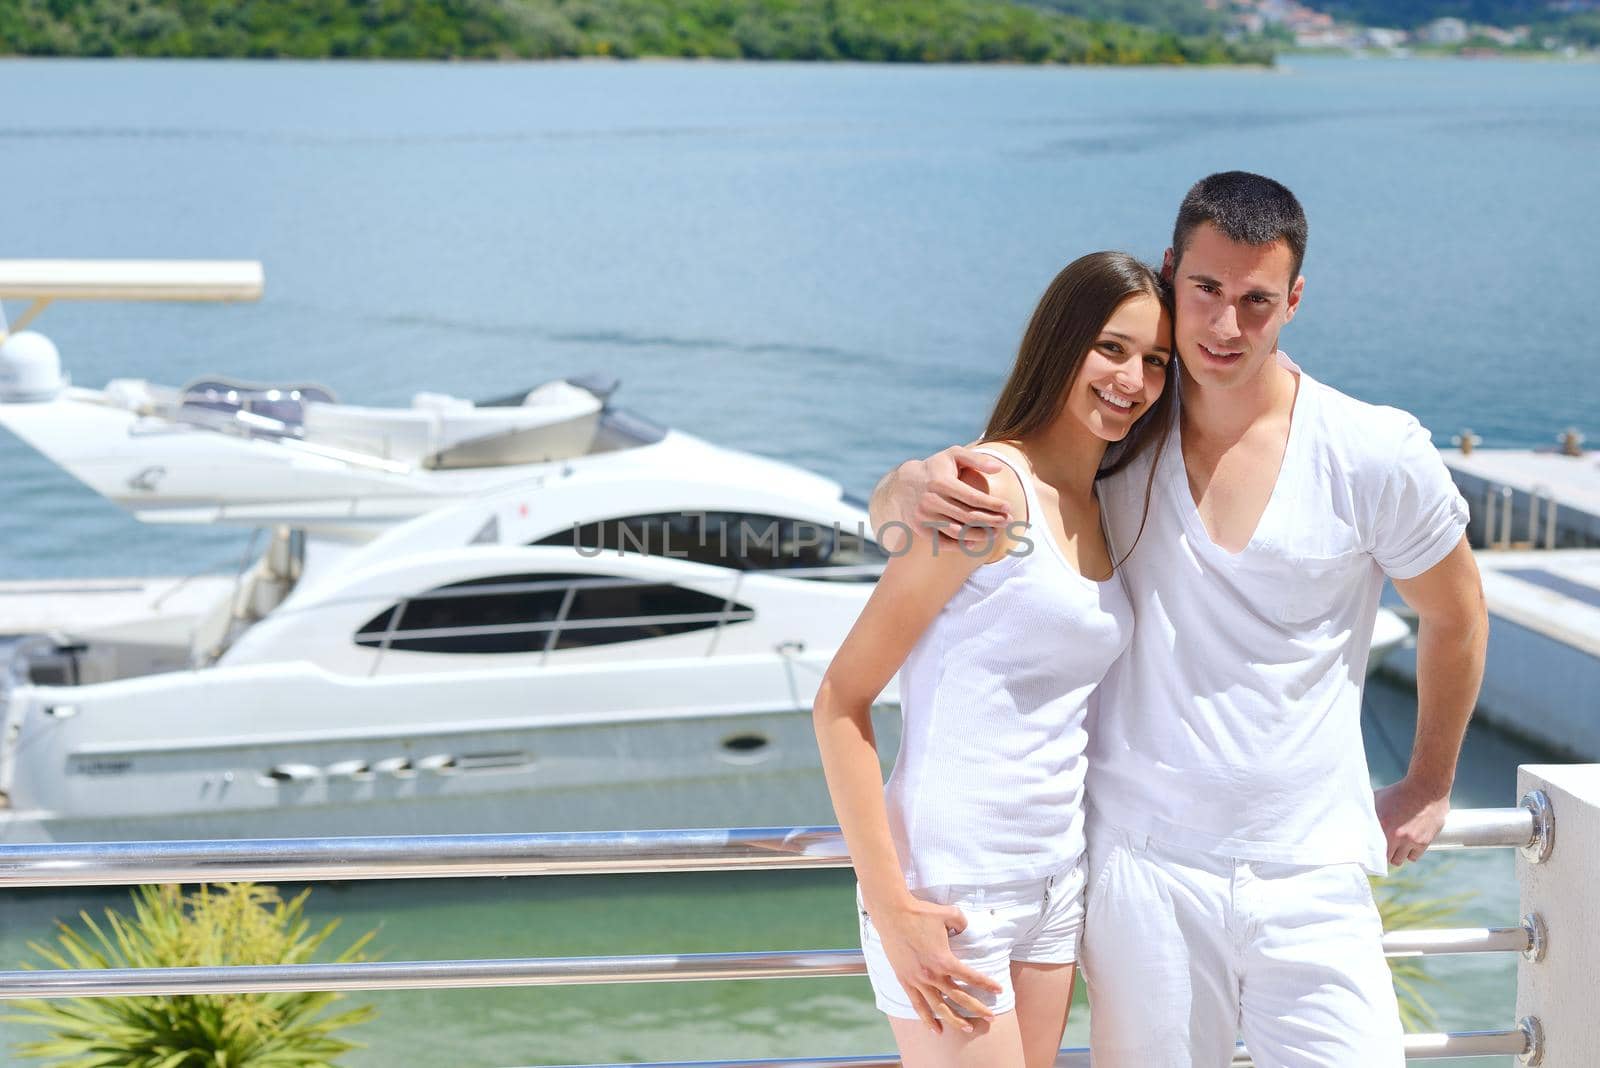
{"x": 869, "y": 30}
{"x": 1409, "y": 14}
{"x": 1185, "y": 17}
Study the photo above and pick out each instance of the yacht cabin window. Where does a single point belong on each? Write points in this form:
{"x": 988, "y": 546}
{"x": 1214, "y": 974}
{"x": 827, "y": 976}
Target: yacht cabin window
{"x": 524, "y": 614}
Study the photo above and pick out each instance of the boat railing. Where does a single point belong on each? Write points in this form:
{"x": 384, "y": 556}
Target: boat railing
{"x": 1528, "y": 827}
{"x": 1499, "y": 513}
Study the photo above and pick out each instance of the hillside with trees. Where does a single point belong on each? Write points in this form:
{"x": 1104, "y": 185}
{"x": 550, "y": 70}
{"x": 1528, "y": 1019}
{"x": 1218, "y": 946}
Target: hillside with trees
{"x": 912, "y": 31}
{"x": 1191, "y": 18}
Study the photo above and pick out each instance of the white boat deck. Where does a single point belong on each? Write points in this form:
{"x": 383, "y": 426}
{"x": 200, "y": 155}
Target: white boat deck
{"x": 1572, "y": 482}
{"x": 1543, "y": 667}
{"x": 45, "y": 606}
{"x": 1556, "y": 594}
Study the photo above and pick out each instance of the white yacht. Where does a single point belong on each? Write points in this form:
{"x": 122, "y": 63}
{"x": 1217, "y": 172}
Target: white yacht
{"x": 540, "y": 614}
{"x": 219, "y": 451}
{"x": 222, "y": 451}
{"x": 616, "y": 651}
{"x": 620, "y": 626}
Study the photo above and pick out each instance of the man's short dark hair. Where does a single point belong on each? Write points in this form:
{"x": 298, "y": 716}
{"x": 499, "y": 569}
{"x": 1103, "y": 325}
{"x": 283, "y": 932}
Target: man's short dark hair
{"x": 1248, "y": 208}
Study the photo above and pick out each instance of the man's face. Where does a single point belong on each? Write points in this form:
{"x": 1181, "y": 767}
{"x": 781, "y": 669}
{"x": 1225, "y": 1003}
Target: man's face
{"x": 1232, "y": 300}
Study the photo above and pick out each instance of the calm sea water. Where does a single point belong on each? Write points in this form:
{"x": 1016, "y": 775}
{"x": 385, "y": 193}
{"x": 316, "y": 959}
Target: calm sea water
{"x": 827, "y": 264}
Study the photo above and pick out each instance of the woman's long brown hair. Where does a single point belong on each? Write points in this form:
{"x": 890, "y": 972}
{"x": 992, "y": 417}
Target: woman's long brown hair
{"x": 1074, "y": 309}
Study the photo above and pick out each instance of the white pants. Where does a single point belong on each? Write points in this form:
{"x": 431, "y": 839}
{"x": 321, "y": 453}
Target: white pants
{"x": 1184, "y": 950}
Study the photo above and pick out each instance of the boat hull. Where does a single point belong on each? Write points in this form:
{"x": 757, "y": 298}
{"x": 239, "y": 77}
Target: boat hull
{"x": 746, "y": 769}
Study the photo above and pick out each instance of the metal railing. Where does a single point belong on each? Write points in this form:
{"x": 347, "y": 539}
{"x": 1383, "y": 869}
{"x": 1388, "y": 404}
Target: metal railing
{"x": 1419, "y": 1047}
{"x": 1528, "y": 827}
{"x": 1499, "y": 513}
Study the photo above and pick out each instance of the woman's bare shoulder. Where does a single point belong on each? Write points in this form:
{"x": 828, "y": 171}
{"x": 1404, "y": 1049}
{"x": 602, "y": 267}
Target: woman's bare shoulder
{"x": 1005, "y": 483}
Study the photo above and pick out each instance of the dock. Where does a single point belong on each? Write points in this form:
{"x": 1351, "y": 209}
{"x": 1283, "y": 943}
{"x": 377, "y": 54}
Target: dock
{"x": 1542, "y": 499}
{"x": 1543, "y": 668}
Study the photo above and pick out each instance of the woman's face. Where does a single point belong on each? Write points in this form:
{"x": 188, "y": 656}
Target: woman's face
{"x": 1125, "y": 369}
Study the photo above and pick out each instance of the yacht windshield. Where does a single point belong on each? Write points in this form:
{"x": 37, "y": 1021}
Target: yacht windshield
{"x": 621, "y": 429}
{"x": 530, "y": 613}
{"x": 256, "y": 408}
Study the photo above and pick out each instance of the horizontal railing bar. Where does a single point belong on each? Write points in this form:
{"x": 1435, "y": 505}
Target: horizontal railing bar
{"x": 1424, "y": 943}
{"x": 426, "y": 975}
{"x": 553, "y": 971}
{"x": 459, "y": 856}
{"x": 879, "y": 1061}
{"x": 1430, "y": 1047}
{"x": 1419, "y": 1047}
{"x": 1479, "y": 828}
{"x": 420, "y": 857}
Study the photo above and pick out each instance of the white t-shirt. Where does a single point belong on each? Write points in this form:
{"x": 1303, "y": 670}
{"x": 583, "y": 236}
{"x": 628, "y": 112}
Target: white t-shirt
{"x": 1233, "y": 722}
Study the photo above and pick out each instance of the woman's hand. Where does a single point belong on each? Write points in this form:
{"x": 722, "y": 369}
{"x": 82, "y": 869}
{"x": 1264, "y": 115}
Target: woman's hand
{"x": 916, "y": 939}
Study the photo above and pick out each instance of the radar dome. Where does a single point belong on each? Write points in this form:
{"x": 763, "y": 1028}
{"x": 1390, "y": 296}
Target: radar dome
{"x": 30, "y": 368}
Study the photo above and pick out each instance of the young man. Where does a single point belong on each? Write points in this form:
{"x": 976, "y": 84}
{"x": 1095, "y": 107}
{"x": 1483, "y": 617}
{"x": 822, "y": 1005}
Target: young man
{"x": 1233, "y": 820}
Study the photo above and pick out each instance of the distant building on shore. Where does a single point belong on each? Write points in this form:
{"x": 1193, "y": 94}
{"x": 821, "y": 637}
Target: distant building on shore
{"x": 1446, "y": 31}
{"x": 1511, "y": 38}
{"x": 1378, "y": 37}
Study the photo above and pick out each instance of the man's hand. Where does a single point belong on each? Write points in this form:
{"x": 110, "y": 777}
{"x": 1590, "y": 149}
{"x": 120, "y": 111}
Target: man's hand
{"x": 938, "y": 494}
{"x": 1411, "y": 813}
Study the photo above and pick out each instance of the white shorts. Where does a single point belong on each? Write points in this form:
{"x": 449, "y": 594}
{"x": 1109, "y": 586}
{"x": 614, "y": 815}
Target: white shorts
{"x": 1185, "y": 951}
{"x": 1039, "y": 921}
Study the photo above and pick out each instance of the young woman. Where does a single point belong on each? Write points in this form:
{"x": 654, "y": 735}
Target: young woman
{"x": 970, "y": 862}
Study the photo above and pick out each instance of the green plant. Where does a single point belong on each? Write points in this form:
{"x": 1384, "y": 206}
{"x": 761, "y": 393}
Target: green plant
{"x": 900, "y": 31}
{"x": 231, "y": 923}
{"x": 1403, "y": 904}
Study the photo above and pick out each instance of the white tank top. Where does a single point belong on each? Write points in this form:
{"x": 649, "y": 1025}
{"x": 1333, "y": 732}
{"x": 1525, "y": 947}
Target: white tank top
{"x": 988, "y": 784}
